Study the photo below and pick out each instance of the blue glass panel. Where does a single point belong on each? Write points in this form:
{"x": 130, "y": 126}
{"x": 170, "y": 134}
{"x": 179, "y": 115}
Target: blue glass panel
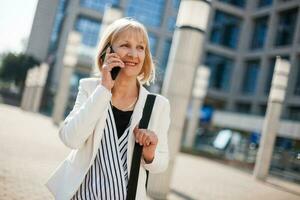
{"x": 165, "y": 57}
{"x": 176, "y": 4}
{"x": 238, "y": 3}
{"x": 259, "y": 34}
{"x": 89, "y": 30}
{"x": 250, "y": 77}
{"x": 221, "y": 68}
{"x": 294, "y": 113}
{"x": 153, "y": 43}
{"x": 172, "y": 23}
{"x": 98, "y": 5}
{"x": 242, "y": 107}
{"x": 57, "y": 27}
{"x": 297, "y": 86}
{"x": 286, "y": 28}
{"x": 148, "y": 12}
{"x": 263, "y": 3}
{"x": 225, "y": 29}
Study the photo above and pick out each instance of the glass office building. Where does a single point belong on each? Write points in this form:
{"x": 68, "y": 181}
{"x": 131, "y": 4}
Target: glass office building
{"x": 243, "y": 39}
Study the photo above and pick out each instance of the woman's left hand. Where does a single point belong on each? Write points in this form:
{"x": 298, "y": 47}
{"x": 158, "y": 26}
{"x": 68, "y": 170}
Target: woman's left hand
{"x": 148, "y": 140}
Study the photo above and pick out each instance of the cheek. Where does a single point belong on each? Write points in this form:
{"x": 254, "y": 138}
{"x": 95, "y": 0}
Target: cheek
{"x": 122, "y": 52}
{"x": 142, "y": 57}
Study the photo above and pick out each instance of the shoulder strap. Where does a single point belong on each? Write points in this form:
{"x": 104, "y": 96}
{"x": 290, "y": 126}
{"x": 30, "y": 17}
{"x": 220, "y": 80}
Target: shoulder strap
{"x": 137, "y": 152}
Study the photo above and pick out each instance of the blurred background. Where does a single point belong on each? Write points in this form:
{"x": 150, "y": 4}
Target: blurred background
{"x": 241, "y": 42}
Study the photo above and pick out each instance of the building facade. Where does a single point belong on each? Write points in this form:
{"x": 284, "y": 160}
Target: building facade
{"x": 243, "y": 39}
{"x": 54, "y": 20}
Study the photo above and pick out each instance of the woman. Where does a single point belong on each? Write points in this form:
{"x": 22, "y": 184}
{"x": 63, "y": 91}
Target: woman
{"x": 102, "y": 128}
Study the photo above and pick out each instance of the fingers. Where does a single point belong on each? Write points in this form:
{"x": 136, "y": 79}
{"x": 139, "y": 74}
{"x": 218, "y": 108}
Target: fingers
{"x": 111, "y": 61}
{"x": 109, "y": 66}
{"x": 111, "y": 55}
{"x": 144, "y": 137}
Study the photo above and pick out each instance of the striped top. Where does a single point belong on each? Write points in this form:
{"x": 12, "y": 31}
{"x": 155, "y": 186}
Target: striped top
{"x": 107, "y": 177}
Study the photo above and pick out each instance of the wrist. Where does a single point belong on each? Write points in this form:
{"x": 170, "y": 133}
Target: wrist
{"x": 148, "y": 160}
{"x": 106, "y": 86}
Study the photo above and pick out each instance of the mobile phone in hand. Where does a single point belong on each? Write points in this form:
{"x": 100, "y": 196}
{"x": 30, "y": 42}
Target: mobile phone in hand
{"x": 115, "y": 71}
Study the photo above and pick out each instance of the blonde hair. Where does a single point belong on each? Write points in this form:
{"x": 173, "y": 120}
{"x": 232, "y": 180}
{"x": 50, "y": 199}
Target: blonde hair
{"x": 111, "y": 33}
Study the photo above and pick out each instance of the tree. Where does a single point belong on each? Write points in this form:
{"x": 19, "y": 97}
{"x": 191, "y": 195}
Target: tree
{"x": 14, "y": 68}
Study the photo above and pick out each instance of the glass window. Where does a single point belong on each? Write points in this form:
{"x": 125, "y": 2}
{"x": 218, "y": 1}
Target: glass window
{"x": 259, "y": 33}
{"x": 162, "y": 64}
{"x": 172, "y": 19}
{"x": 286, "y": 27}
{"x": 172, "y": 23}
{"x": 221, "y": 68}
{"x": 57, "y": 27}
{"x": 283, "y": 1}
{"x": 297, "y": 86}
{"x": 243, "y": 107}
{"x": 294, "y": 113}
{"x": 225, "y": 29}
{"x": 250, "y": 77}
{"x": 89, "y": 30}
{"x": 165, "y": 55}
{"x": 98, "y": 5}
{"x": 239, "y": 3}
{"x": 153, "y": 43}
{"x": 268, "y": 82}
{"x": 263, "y": 3}
{"x": 262, "y": 110}
{"x": 148, "y": 12}
{"x": 176, "y": 4}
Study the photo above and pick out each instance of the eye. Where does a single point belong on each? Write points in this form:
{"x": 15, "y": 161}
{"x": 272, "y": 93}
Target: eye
{"x": 141, "y": 47}
{"x": 124, "y": 45}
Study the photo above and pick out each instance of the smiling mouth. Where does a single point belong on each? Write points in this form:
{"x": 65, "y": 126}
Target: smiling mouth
{"x": 132, "y": 64}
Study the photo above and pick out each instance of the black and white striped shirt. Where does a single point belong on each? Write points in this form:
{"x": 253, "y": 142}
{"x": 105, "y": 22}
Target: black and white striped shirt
{"x": 107, "y": 177}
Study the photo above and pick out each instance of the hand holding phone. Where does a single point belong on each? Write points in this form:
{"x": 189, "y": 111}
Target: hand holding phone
{"x": 115, "y": 71}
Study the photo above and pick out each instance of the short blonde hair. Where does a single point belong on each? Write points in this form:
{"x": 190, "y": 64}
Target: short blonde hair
{"x": 111, "y": 33}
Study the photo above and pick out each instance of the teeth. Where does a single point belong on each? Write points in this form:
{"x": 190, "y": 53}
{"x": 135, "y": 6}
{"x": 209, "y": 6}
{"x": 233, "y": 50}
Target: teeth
{"x": 130, "y": 63}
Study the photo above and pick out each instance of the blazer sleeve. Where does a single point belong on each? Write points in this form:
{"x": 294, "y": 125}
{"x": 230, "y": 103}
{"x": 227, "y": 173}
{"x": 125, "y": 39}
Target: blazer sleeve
{"x": 81, "y": 121}
{"x": 161, "y": 158}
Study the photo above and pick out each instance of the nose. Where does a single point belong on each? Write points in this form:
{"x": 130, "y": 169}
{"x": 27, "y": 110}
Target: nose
{"x": 132, "y": 52}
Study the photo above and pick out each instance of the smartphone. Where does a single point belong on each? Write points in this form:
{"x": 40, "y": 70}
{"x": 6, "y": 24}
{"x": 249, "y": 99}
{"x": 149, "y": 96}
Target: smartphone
{"x": 115, "y": 71}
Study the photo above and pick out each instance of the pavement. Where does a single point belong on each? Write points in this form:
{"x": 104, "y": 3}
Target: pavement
{"x": 30, "y": 150}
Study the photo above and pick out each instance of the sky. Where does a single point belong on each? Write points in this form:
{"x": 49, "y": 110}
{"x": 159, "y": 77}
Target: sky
{"x": 16, "y": 17}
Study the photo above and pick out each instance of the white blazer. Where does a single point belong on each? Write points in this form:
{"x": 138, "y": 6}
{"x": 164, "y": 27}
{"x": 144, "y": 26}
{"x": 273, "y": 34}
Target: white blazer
{"x": 82, "y": 131}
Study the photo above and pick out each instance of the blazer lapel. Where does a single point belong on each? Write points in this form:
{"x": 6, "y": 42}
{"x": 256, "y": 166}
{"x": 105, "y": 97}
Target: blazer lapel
{"x": 136, "y": 117}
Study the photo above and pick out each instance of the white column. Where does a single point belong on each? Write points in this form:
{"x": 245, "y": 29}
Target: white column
{"x": 40, "y": 83}
{"x": 198, "y": 95}
{"x": 29, "y": 90}
{"x": 185, "y": 54}
{"x": 69, "y": 61}
{"x": 272, "y": 119}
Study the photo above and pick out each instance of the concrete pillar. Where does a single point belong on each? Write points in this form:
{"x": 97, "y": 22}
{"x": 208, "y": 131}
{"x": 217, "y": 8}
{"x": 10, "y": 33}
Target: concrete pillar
{"x": 111, "y": 13}
{"x": 186, "y": 49}
{"x": 69, "y": 61}
{"x": 28, "y": 94}
{"x": 272, "y": 119}
{"x": 25, "y": 94}
{"x": 40, "y": 84}
{"x": 198, "y": 95}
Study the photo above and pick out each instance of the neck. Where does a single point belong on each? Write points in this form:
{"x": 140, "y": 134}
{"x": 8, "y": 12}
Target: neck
{"x": 125, "y": 88}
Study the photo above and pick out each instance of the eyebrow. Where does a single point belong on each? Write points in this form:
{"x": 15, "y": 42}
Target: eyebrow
{"x": 141, "y": 42}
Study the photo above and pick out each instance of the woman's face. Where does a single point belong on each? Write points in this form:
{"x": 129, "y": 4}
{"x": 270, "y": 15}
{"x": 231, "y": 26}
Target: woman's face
{"x": 130, "y": 46}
